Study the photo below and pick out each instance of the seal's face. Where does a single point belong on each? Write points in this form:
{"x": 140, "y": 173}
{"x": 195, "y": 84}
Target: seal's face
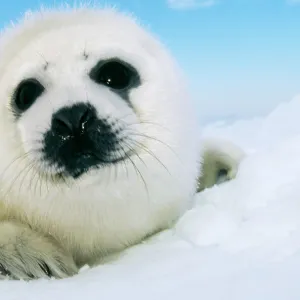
{"x": 78, "y": 131}
{"x": 79, "y": 108}
{"x": 87, "y": 91}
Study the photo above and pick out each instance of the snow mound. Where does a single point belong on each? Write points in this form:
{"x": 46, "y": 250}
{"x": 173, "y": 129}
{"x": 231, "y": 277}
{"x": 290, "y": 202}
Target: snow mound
{"x": 240, "y": 241}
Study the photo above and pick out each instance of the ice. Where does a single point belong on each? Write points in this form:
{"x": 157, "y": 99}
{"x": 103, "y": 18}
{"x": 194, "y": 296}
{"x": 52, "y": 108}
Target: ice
{"x": 241, "y": 240}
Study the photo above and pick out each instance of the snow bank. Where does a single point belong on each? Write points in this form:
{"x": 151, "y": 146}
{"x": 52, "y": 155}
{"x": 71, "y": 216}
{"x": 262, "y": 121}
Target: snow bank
{"x": 240, "y": 241}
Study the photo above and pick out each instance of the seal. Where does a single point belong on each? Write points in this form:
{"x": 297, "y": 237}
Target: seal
{"x": 98, "y": 146}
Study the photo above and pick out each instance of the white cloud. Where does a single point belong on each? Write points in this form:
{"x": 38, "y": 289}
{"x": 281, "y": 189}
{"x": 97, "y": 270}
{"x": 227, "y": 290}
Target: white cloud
{"x": 190, "y": 4}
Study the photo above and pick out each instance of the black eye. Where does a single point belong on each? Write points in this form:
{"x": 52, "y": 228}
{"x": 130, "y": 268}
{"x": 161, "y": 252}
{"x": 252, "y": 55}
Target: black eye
{"x": 26, "y": 94}
{"x": 114, "y": 74}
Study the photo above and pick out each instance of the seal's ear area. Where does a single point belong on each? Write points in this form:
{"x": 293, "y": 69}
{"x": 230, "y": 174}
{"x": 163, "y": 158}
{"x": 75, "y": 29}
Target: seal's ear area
{"x": 220, "y": 160}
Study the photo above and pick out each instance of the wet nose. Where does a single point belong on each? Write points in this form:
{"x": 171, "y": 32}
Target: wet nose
{"x": 71, "y": 120}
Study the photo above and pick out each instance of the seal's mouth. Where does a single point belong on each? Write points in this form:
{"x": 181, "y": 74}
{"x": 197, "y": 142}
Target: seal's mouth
{"x": 88, "y": 162}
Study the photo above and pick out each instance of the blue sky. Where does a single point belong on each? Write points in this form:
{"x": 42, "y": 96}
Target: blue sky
{"x": 241, "y": 56}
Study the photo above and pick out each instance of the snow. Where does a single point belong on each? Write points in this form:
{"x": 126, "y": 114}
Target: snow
{"x": 241, "y": 240}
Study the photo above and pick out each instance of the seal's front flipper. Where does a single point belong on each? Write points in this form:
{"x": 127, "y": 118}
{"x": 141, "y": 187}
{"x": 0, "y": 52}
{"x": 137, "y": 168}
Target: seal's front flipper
{"x": 220, "y": 160}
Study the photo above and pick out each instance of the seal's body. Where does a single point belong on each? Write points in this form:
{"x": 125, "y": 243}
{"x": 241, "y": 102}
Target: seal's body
{"x": 99, "y": 147}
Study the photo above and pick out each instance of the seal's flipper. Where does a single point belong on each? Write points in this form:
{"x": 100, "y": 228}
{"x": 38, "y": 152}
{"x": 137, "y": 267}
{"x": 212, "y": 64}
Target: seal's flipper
{"x": 220, "y": 160}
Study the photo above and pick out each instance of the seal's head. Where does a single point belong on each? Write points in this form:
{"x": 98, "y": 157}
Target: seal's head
{"x": 95, "y": 124}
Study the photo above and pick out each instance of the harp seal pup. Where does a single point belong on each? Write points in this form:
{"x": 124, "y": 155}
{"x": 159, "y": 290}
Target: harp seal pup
{"x": 99, "y": 147}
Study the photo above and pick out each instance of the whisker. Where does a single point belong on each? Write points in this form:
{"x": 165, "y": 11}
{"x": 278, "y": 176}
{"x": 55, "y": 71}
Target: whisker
{"x": 135, "y": 152}
{"x": 32, "y": 179}
{"x": 31, "y": 165}
{"x": 141, "y": 146}
{"x": 148, "y": 123}
{"x": 137, "y": 171}
{"x": 22, "y": 156}
{"x": 133, "y": 133}
{"x": 140, "y": 122}
{"x": 15, "y": 179}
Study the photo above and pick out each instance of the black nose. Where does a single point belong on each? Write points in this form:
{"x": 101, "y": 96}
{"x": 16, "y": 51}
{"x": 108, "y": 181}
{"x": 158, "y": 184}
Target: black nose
{"x": 72, "y": 120}
{"x": 78, "y": 140}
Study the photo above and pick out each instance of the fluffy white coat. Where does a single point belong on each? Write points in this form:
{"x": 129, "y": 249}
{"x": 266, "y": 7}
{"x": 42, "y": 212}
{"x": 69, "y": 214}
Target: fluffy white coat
{"x": 111, "y": 208}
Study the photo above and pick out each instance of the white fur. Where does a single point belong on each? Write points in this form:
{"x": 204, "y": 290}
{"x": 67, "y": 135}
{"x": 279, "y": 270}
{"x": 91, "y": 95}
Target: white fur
{"x": 108, "y": 209}
{"x": 105, "y": 210}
